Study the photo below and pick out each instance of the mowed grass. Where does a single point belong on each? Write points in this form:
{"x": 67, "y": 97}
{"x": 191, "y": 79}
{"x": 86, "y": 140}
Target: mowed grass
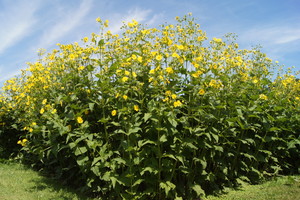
{"x": 18, "y": 182}
{"x": 279, "y": 188}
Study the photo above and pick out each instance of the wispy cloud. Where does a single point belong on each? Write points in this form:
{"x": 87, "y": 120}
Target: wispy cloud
{"x": 137, "y": 14}
{"x": 274, "y": 35}
{"x": 17, "y": 20}
{"x": 69, "y": 20}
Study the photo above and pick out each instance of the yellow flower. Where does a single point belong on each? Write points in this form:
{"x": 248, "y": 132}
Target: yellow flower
{"x": 180, "y": 47}
{"x": 113, "y": 113}
{"x": 134, "y": 74}
{"x": 175, "y": 55}
{"x": 98, "y": 19}
{"x": 173, "y": 96}
{"x": 79, "y": 120}
{"x": 106, "y": 23}
{"x": 140, "y": 59}
{"x": 72, "y": 56}
{"x": 263, "y": 97}
{"x": 127, "y": 73}
{"x": 124, "y": 79}
{"x": 151, "y": 71}
{"x": 134, "y": 57}
{"x": 177, "y": 103}
{"x": 166, "y": 99}
{"x": 81, "y": 68}
{"x": 168, "y": 93}
{"x": 217, "y": 40}
{"x": 169, "y": 70}
{"x": 42, "y": 110}
{"x": 125, "y": 97}
{"x": 136, "y": 108}
{"x": 53, "y": 111}
{"x": 85, "y": 39}
{"x": 159, "y": 57}
{"x": 33, "y": 124}
{"x": 44, "y": 101}
{"x": 22, "y": 142}
{"x": 255, "y": 81}
{"x": 201, "y": 92}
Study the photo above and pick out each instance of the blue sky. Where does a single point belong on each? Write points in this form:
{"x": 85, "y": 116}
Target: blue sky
{"x": 26, "y": 26}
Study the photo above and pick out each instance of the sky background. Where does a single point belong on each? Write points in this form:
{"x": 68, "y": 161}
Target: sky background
{"x": 26, "y": 26}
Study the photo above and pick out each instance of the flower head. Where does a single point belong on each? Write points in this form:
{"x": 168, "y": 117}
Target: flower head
{"x": 22, "y": 142}
{"x": 201, "y": 92}
{"x": 177, "y": 103}
{"x": 136, "y": 108}
{"x": 124, "y": 79}
{"x": 169, "y": 70}
{"x": 263, "y": 97}
{"x": 114, "y": 113}
{"x": 159, "y": 57}
{"x": 79, "y": 120}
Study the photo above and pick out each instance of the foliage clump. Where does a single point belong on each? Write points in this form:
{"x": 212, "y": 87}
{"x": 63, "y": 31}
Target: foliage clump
{"x": 155, "y": 113}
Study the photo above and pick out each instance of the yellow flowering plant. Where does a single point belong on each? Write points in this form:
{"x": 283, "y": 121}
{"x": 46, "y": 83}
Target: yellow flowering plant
{"x": 155, "y": 113}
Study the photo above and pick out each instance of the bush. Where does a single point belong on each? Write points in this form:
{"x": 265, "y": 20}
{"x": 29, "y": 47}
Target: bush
{"x": 157, "y": 113}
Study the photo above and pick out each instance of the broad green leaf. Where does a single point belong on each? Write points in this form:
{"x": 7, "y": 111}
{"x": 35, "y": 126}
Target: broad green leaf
{"x": 147, "y": 116}
{"x": 199, "y": 191}
{"x": 80, "y": 150}
{"x": 82, "y": 159}
{"x": 91, "y": 106}
{"x": 163, "y": 138}
{"x": 137, "y": 182}
{"x": 167, "y": 186}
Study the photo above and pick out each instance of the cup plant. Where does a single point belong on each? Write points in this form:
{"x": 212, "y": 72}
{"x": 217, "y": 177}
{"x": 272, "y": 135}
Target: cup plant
{"x": 155, "y": 113}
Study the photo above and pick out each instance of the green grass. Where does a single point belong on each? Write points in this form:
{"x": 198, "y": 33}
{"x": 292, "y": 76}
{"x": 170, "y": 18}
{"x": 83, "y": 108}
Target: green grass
{"x": 20, "y": 183}
{"x": 17, "y": 182}
{"x": 279, "y": 188}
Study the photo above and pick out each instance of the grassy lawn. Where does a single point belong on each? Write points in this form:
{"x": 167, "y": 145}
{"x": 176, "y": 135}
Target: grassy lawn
{"x": 280, "y": 188}
{"x": 20, "y": 183}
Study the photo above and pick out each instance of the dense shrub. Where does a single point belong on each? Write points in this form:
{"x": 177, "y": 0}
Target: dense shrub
{"x": 157, "y": 113}
{"x": 9, "y": 133}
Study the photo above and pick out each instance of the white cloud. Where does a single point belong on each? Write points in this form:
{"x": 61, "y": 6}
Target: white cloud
{"x": 69, "y": 20}
{"x": 138, "y": 14}
{"x": 16, "y": 22}
{"x": 276, "y": 35}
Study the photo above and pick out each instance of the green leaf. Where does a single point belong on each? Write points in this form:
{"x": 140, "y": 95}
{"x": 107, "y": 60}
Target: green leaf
{"x": 101, "y": 42}
{"x": 167, "y": 186}
{"x": 91, "y": 106}
{"x": 172, "y": 122}
{"x": 141, "y": 143}
{"x": 81, "y": 160}
{"x": 148, "y": 169}
{"x": 147, "y": 116}
{"x": 133, "y": 130}
{"x": 199, "y": 191}
{"x": 137, "y": 182}
{"x": 120, "y": 160}
{"x": 96, "y": 160}
{"x": 80, "y": 150}
{"x": 163, "y": 138}
{"x": 169, "y": 156}
{"x": 72, "y": 145}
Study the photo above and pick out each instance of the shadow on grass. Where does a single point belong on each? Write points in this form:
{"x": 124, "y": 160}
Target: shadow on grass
{"x": 62, "y": 191}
